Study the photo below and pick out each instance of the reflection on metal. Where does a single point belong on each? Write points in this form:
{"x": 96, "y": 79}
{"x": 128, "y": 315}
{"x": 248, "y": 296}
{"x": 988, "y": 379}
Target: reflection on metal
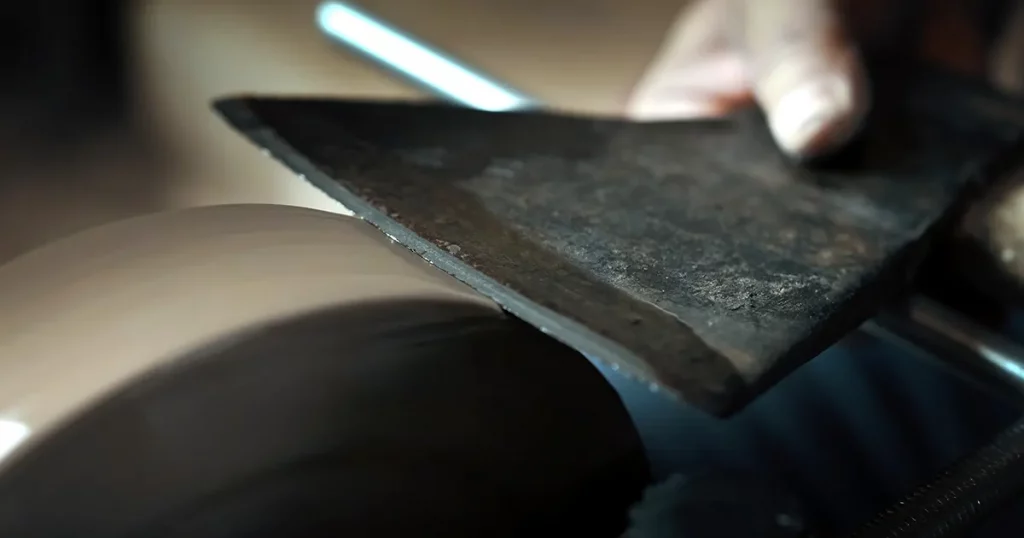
{"x": 12, "y": 434}
{"x": 972, "y": 350}
{"x": 968, "y": 348}
{"x": 427, "y": 67}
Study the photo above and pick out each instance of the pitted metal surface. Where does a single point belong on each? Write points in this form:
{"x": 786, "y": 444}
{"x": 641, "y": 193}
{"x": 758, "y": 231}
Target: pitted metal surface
{"x": 692, "y": 255}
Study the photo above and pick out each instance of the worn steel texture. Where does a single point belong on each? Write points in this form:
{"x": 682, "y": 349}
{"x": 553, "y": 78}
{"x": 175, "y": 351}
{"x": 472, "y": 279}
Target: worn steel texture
{"x": 691, "y": 255}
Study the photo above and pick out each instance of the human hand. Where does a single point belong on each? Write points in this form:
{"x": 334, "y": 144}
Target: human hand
{"x": 800, "y": 60}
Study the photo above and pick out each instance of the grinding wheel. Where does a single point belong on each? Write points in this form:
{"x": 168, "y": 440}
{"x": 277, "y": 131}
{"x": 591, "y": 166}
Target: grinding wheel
{"x": 266, "y": 370}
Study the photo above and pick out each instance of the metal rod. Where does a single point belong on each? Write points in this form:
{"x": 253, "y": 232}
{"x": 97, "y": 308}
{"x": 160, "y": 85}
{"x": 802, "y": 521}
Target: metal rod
{"x": 971, "y": 350}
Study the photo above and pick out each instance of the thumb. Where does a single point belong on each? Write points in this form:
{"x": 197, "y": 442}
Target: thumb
{"x": 807, "y": 73}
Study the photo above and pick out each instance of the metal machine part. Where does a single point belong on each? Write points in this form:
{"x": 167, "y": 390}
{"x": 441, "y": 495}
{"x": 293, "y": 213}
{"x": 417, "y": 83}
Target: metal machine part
{"x": 975, "y": 494}
{"x": 707, "y": 507}
{"x": 217, "y": 371}
{"x": 978, "y": 353}
{"x": 960, "y": 499}
{"x": 955, "y": 503}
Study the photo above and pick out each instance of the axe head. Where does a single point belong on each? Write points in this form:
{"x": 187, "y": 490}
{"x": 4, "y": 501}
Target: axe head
{"x": 693, "y": 256}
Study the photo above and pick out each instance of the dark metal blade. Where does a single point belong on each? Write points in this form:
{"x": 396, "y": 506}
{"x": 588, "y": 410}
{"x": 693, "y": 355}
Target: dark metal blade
{"x": 691, "y": 255}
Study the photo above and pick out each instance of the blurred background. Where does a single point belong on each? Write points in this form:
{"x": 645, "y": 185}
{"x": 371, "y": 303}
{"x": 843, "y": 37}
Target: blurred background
{"x": 104, "y": 106}
{"x": 105, "y": 103}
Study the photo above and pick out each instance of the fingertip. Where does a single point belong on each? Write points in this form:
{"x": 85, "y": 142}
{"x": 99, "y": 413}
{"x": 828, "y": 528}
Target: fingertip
{"x": 816, "y": 102}
{"x": 817, "y": 114}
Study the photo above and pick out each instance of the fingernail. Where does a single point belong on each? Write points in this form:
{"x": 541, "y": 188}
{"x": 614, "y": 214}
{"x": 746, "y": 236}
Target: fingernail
{"x": 816, "y": 115}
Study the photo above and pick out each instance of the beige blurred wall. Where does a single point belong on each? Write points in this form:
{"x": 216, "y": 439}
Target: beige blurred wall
{"x": 577, "y": 54}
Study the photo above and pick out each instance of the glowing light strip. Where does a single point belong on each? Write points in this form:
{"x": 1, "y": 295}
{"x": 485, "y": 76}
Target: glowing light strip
{"x": 416, "y": 61}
